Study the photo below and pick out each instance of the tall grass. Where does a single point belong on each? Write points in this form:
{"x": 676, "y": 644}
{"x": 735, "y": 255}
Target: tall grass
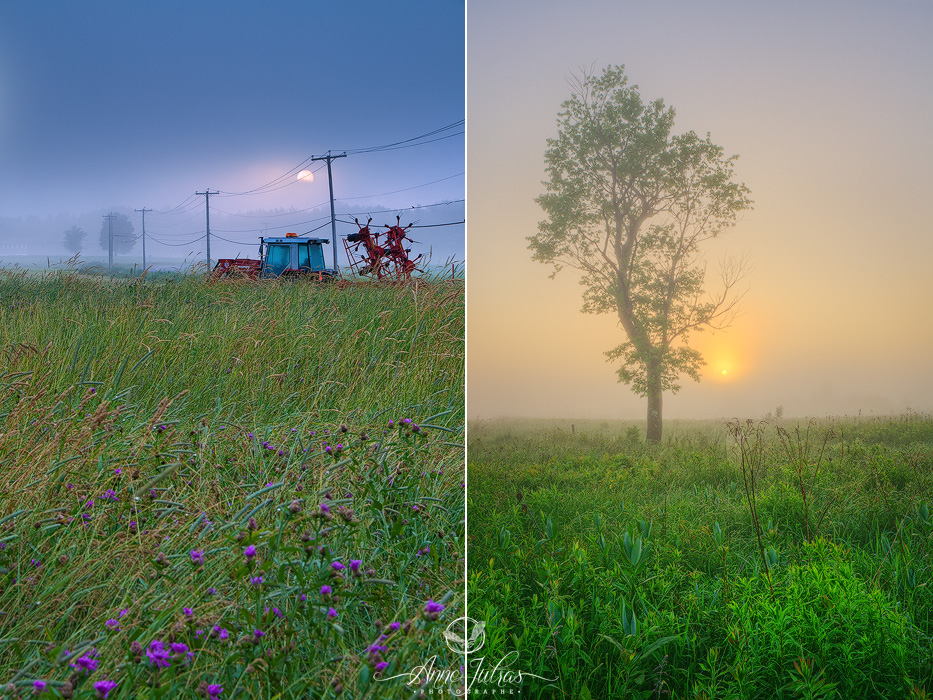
{"x": 794, "y": 562}
{"x": 227, "y": 490}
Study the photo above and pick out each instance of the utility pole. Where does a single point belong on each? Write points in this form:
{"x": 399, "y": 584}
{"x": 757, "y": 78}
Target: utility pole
{"x": 207, "y": 211}
{"x": 330, "y": 183}
{"x": 144, "y": 210}
{"x": 109, "y": 218}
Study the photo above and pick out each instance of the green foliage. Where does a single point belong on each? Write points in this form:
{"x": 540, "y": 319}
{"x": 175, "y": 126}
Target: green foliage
{"x": 652, "y": 581}
{"x": 74, "y": 239}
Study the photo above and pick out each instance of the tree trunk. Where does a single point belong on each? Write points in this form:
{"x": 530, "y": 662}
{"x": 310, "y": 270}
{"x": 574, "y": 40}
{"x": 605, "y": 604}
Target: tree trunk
{"x": 654, "y": 405}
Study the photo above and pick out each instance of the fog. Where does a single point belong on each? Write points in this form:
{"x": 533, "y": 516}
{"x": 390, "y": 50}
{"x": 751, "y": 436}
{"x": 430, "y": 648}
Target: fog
{"x": 827, "y": 106}
{"x": 114, "y": 106}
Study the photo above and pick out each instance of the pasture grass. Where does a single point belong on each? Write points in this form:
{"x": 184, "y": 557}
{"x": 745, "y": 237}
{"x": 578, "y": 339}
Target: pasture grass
{"x": 734, "y": 560}
{"x": 227, "y": 490}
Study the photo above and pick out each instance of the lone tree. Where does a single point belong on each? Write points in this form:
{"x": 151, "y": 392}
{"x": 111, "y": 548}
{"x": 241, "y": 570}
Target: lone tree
{"x": 629, "y": 204}
{"x": 74, "y": 239}
{"x": 123, "y": 239}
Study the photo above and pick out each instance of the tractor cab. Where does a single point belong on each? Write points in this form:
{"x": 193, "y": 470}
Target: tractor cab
{"x": 291, "y": 255}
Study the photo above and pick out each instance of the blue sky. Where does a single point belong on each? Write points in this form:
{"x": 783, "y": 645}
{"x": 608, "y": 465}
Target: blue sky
{"x": 112, "y": 104}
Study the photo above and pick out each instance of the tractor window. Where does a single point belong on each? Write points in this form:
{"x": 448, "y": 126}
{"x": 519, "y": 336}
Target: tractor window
{"x": 316, "y": 256}
{"x": 277, "y": 259}
{"x": 304, "y": 261}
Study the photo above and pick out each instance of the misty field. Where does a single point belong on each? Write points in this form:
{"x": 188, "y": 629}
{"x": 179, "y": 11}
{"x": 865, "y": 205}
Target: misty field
{"x": 227, "y": 490}
{"x": 739, "y": 560}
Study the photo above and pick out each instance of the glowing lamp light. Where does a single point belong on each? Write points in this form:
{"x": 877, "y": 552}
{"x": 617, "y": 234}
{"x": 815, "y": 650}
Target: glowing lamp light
{"x": 306, "y": 175}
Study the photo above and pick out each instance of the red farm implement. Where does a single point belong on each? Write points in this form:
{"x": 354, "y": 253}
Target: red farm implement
{"x": 382, "y": 254}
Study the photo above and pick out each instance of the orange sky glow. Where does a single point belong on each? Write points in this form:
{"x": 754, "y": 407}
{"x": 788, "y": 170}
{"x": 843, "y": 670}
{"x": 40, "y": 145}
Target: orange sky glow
{"x": 827, "y": 107}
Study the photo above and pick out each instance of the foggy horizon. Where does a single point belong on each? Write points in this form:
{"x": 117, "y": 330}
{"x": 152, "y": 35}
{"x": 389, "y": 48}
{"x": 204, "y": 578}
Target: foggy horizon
{"x": 437, "y": 232}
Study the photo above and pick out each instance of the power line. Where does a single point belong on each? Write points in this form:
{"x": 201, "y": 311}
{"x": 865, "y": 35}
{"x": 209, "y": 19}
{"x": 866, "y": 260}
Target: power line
{"x": 451, "y": 223}
{"x": 389, "y": 146}
{"x": 412, "y": 142}
{"x": 176, "y": 244}
{"x": 407, "y": 189}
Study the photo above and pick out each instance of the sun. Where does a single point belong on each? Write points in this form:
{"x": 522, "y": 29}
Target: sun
{"x": 306, "y": 175}
{"x": 725, "y": 372}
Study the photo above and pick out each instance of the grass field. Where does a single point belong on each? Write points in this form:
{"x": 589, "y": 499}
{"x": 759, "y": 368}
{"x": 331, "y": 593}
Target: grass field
{"x": 741, "y": 560}
{"x": 227, "y": 490}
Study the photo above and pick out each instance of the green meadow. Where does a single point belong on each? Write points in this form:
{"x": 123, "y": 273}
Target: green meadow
{"x": 733, "y": 560}
{"x": 228, "y": 490}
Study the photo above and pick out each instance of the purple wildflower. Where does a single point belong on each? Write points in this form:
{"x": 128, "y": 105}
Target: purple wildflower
{"x": 39, "y": 686}
{"x": 249, "y": 552}
{"x": 258, "y": 634}
{"x": 179, "y": 648}
{"x": 337, "y": 566}
{"x": 394, "y": 626}
{"x": 158, "y": 654}
{"x": 197, "y": 557}
{"x": 433, "y": 610}
{"x": 255, "y": 581}
{"x": 213, "y": 691}
{"x": 382, "y": 666}
{"x": 123, "y": 612}
{"x": 110, "y": 495}
{"x": 331, "y": 613}
{"x": 355, "y": 566}
{"x": 103, "y": 688}
{"x": 112, "y": 625}
{"x": 87, "y": 663}
{"x": 188, "y": 612}
{"x": 326, "y": 590}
